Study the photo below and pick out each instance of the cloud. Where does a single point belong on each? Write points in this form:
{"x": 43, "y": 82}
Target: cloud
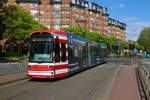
{"x": 134, "y": 27}
{"x": 122, "y": 5}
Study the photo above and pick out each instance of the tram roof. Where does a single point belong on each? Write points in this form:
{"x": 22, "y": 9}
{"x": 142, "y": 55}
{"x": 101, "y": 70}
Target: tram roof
{"x": 50, "y": 32}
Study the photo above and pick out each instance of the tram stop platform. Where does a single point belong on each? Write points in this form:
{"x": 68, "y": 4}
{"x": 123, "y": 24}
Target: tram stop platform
{"x": 126, "y": 86}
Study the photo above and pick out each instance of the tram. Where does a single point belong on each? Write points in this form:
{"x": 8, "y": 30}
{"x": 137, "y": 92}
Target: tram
{"x": 58, "y": 54}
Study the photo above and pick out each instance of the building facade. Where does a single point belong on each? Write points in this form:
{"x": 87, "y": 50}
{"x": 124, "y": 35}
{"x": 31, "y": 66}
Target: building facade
{"x": 57, "y": 14}
{"x": 116, "y": 28}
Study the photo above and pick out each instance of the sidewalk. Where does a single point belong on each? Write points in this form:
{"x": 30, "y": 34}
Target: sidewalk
{"x": 126, "y": 87}
{"x": 5, "y": 79}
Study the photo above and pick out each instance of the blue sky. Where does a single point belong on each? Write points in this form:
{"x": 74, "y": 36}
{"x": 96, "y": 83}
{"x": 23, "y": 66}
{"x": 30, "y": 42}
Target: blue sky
{"x": 135, "y": 13}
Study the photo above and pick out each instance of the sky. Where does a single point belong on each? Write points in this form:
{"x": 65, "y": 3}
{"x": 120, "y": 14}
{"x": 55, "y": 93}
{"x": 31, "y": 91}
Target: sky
{"x": 135, "y": 13}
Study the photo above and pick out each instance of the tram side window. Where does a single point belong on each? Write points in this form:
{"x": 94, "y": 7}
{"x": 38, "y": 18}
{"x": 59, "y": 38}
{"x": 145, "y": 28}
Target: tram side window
{"x": 57, "y": 51}
{"x": 63, "y": 46}
{"x": 70, "y": 53}
{"x": 84, "y": 52}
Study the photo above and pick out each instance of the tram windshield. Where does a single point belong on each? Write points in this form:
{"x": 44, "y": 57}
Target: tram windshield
{"x": 41, "y": 49}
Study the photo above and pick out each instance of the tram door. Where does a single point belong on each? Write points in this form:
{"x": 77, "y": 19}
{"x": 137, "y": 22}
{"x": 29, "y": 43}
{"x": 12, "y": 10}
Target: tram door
{"x": 60, "y": 51}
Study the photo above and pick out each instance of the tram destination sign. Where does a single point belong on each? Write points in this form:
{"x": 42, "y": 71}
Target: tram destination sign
{"x": 41, "y": 38}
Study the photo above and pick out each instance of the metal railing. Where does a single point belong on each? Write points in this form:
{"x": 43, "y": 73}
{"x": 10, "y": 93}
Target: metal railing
{"x": 12, "y": 67}
{"x": 144, "y": 72}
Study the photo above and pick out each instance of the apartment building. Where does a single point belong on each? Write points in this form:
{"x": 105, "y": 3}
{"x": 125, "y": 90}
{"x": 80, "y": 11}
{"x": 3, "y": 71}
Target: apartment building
{"x": 57, "y": 14}
{"x": 116, "y": 28}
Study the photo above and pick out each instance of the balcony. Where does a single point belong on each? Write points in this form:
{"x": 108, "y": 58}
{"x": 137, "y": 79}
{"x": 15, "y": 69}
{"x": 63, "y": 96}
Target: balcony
{"x": 80, "y": 3}
{"x": 65, "y": 15}
{"x": 105, "y": 11}
{"x": 56, "y": 1}
{"x": 28, "y": 1}
{"x": 65, "y": 8}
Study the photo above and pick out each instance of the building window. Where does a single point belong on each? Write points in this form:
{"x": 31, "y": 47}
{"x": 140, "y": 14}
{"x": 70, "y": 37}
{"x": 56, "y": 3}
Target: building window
{"x": 41, "y": 12}
{"x": 44, "y": 4}
{"x": 65, "y": 12}
{"x": 73, "y": 1}
{"x": 41, "y": 18}
{"x": 57, "y": 27}
{"x": 75, "y": 7}
{"x": 92, "y": 19}
{"x": 56, "y": 19}
{"x": 91, "y": 12}
{"x": 77, "y": 2}
{"x": 63, "y": 26}
{"x": 86, "y": 5}
{"x": 94, "y": 7}
{"x": 65, "y": 19}
{"x": 75, "y": 15}
{"x": 66, "y": 4}
{"x": 36, "y": 18}
{"x": 82, "y": 17}
{"x": 97, "y": 25}
{"x": 57, "y": 6}
{"x": 34, "y": 4}
{"x": 91, "y": 25}
{"x": 57, "y": 12}
{"x": 56, "y": 0}
{"x": 90, "y": 5}
{"x": 49, "y": 19}
{"x": 33, "y": 11}
{"x": 82, "y": 3}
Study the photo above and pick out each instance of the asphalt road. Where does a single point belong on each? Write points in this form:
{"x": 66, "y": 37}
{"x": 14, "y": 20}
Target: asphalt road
{"x": 92, "y": 84}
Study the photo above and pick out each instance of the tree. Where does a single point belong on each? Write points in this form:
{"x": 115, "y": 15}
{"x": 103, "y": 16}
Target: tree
{"x": 2, "y": 4}
{"x": 144, "y": 38}
{"x": 139, "y": 47}
{"x": 16, "y": 24}
{"x": 98, "y": 37}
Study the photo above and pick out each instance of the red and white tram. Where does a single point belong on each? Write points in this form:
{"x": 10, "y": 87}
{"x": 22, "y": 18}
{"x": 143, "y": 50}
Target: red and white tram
{"x": 58, "y": 54}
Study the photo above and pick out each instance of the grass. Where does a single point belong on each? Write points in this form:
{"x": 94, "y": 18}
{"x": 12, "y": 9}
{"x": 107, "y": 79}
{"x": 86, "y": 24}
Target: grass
{"x": 120, "y": 57}
{"x": 125, "y": 57}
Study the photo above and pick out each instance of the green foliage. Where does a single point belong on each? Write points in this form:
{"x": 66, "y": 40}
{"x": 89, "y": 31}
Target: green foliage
{"x": 17, "y": 23}
{"x": 139, "y": 47}
{"x": 77, "y": 31}
{"x": 81, "y": 32}
{"x": 98, "y": 37}
{"x": 124, "y": 44}
{"x": 144, "y": 38}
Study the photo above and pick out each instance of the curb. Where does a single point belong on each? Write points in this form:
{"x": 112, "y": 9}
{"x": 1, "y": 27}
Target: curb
{"x": 114, "y": 81}
{"x": 12, "y": 81}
